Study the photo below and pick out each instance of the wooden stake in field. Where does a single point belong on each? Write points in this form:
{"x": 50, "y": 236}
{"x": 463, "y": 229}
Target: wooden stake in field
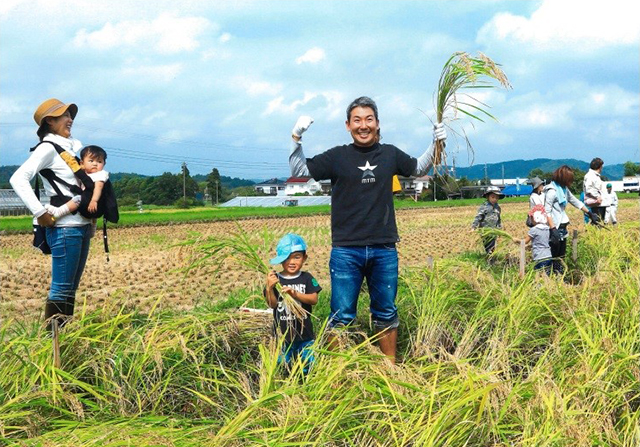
{"x": 55, "y": 332}
{"x": 522, "y": 257}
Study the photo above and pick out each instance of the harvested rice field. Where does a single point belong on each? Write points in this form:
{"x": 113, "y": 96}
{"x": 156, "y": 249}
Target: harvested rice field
{"x": 146, "y": 264}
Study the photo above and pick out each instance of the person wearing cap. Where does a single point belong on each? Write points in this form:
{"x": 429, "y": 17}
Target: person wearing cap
{"x": 69, "y": 236}
{"x": 611, "y": 198}
{"x": 488, "y": 216}
{"x": 301, "y": 286}
{"x": 363, "y": 223}
{"x": 594, "y": 191}
{"x": 557, "y": 196}
{"x": 536, "y": 197}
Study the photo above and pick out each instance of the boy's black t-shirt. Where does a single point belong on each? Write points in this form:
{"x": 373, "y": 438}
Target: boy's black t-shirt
{"x": 362, "y": 211}
{"x": 292, "y": 327}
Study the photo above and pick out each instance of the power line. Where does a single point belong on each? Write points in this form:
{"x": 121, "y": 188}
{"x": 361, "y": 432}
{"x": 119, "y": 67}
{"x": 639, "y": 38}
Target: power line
{"x": 148, "y": 137}
{"x": 171, "y": 158}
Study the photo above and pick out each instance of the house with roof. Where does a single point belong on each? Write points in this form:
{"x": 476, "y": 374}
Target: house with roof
{"x": 414, "y": 185}
{"x": 271, "y": 187}
{"x": 302, "y": 185}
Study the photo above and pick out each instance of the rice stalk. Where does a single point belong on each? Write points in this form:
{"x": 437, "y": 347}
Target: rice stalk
{"x": 463, "y": 72}
{"x": 238, "y": 249}
{"x": 491, "y": 233}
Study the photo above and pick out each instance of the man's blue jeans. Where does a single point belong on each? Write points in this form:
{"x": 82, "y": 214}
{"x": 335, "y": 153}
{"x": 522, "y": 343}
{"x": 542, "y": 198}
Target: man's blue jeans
{"x": 349, "y": 266}
{"x": 69, "y": 251}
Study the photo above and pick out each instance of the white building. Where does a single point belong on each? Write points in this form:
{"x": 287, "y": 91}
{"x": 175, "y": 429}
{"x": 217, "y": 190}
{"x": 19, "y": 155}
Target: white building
{"x": 301, "y": 185}
{"x": 271, "y": 187}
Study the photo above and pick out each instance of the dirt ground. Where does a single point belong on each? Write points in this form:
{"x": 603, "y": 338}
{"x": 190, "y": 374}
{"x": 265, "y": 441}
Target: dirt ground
{"x": 147, "y": 264}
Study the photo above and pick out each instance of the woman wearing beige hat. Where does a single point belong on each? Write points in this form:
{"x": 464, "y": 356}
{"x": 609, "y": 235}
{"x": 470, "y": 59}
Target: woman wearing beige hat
{"x": 69, "y": 236}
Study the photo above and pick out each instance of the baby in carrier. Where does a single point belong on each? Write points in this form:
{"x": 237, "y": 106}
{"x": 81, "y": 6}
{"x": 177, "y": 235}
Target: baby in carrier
{"x": 90, "y": 201}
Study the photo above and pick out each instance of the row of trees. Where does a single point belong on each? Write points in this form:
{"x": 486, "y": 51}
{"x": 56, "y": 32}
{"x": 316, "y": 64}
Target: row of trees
{"x": 170, "y": 189}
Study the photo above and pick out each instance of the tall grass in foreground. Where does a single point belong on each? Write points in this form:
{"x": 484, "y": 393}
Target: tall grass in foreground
{"x": 487, "y": 360}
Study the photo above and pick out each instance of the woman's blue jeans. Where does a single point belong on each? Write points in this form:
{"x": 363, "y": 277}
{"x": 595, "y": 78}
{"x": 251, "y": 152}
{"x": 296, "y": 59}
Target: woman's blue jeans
{"x": 69, "y": 251}
{"x": 349, "y": 266}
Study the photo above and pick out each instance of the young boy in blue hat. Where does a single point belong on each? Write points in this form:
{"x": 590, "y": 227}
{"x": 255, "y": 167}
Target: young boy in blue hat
{"x": 302, "y": 287}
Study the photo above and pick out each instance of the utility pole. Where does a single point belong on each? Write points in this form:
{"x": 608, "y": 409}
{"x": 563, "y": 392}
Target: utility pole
{"x": 502, "y": 174}
{"x": 184, "y": 182}
{"x": 486, "y": 176}
{"x": 434, "y": 189}
{"x": 216, "y": 192}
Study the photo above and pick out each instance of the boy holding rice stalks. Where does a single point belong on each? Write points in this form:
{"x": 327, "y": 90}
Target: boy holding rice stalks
{"x": 488, "y": 216}
{"x": 302, "y": 287}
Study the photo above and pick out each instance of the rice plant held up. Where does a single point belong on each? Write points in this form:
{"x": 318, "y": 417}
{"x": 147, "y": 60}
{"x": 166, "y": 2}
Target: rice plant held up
{"x": 463, "y": 72}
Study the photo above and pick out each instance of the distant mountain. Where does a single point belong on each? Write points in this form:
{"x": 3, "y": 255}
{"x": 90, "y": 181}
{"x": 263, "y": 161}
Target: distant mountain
{"x": 115, "y": 176}
{"x": 512, "y": 169}
{"x": 521, "y": 168}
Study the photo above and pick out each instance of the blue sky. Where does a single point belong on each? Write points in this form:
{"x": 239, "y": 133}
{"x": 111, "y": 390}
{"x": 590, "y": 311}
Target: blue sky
{"x": 221, "y": 84}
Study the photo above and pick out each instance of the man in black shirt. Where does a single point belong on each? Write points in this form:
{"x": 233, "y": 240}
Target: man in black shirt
{"x": 363, "y": 223}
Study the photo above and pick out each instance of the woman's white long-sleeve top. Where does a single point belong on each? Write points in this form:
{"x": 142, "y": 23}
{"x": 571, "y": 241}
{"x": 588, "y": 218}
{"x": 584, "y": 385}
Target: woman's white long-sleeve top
{"x": 554, "y": 208}
{"x": 46, "y": 157}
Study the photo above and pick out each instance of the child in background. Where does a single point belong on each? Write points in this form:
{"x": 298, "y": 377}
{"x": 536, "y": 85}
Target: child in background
{"x": 92, "y": 161}
{"x": 302, "y": 287}
{"x": 488, "y": 216}
{"x": 539, "y": 238}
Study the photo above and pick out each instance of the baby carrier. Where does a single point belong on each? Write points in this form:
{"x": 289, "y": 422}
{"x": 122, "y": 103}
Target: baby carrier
{"x": 107, "y": 204}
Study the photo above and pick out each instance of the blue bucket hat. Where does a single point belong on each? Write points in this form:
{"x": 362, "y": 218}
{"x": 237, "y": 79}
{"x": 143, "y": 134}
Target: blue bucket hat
{"x": 290, "y": 243}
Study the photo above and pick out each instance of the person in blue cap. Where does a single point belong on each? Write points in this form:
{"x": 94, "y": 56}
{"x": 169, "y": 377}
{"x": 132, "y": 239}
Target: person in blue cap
{"x": 303, "y": 288}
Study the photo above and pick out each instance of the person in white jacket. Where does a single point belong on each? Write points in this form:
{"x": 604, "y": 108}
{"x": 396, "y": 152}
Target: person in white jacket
{"x": 593, "y": 187}
{"x": 612, "y": 210}
{"x": 68, "y": 236}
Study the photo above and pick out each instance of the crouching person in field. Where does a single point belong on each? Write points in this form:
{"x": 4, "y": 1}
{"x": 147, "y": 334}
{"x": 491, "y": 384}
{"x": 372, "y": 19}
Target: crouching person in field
{"x": 292, "y": 313}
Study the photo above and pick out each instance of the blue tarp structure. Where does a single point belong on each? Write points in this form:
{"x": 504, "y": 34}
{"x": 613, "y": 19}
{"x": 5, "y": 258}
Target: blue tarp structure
{"x": 517, "y": 190}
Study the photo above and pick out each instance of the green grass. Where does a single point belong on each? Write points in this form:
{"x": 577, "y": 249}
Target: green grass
{"x": 487, "y": 359}
{"x": 170, "y": 216}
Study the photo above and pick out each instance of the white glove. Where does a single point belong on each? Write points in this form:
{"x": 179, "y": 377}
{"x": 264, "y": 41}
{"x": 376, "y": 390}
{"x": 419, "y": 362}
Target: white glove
{"x": 439, "y": 132}
{"x": 301, "y": 126}
{"x": 58, "y": 211}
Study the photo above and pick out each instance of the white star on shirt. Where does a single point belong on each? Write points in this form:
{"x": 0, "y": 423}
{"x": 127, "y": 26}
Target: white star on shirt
{"x": 367, "y": 167}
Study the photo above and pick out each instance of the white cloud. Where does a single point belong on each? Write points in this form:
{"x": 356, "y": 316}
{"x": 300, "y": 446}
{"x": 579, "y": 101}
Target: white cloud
{"x": 224, "y": 38}
{"x": 607, "y": 101}
{"x": 166, "y": 34}
{"x": 257, "y": 88}
{"x": 8, "y": 5}
{"x": 568, "y": 25}
{"x": 174, "y": 135}
{"x": 540, "y": 116}
{"x": 153, "y": 73}
{"x": 230, "y": 119}
{"x": 312, "y": 56}
{"x": 328, "y": 103}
